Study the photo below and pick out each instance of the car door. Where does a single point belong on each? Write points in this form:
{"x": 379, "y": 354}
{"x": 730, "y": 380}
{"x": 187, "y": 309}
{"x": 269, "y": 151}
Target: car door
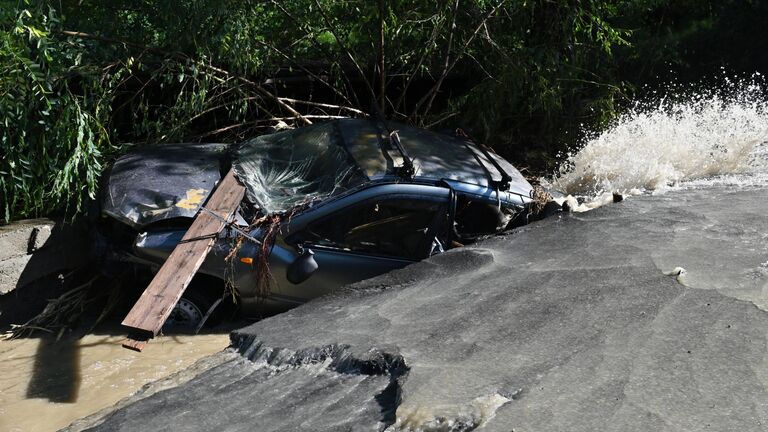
{"x": 367, "y": 238}
{"x": 477, "y": 216}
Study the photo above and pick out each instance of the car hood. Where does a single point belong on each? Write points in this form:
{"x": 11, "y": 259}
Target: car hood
{"x": 162, "y": 182}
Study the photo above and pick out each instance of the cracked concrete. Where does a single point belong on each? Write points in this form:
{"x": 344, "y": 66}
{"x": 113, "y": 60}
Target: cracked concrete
{"x": 570, "y": 324}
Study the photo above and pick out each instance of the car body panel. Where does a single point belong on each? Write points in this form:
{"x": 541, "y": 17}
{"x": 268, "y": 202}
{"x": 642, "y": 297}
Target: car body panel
{"x": 339, "y": 267}
{"x": 164, "y": 182}
{"x": 317, "y": 162}
{"x": 434, "y": 155}
{"x": 152, "y": 185}
{"x": 153, "y": 247}
{"x": 336, "y": 268}
{"x": 512, "y": 197}
{"x": 372, "y": 191}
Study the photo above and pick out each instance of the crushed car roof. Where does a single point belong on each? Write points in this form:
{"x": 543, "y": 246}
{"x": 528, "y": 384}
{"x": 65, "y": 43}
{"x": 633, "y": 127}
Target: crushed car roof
{"x": 284, "y": 169}
{"x": 287, "y": 168}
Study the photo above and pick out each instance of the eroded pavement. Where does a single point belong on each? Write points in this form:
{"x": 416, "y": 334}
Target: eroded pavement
{"x": 569, "y": 324}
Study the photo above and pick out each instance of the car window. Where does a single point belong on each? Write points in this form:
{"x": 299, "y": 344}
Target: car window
{"x": 395, "y": 227}
{"x": 477, "y": 217}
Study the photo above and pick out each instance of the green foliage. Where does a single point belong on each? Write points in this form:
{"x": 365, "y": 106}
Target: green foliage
{"x": 81, "y": 79}
{"x": 54, "y": 138}
{"x": 553, "y": 74}
{"x": 688, "y": 40}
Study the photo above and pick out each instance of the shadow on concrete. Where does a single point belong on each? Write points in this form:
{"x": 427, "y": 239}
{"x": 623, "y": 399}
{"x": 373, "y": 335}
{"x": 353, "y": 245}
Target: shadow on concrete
{"x": 53, "y": 261}
{"x": 35, "y": 257}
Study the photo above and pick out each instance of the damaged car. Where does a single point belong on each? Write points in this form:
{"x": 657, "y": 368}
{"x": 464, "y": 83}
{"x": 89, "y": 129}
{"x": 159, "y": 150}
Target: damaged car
{"x": 325, "y": 205}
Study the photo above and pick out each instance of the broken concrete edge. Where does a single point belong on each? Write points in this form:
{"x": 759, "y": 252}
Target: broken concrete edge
{"x": 33, "y": 249}
{"x": 338, "y": 358}
{"x": 246, "y": 348}
{"x": 171, "y": 381}
{"x": 33, "y": 232}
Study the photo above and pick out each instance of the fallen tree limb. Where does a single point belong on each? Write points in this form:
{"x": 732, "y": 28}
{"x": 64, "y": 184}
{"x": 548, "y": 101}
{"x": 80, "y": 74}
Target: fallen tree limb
{"x": 59, "y": 314}
{"x": 179, "y": 55}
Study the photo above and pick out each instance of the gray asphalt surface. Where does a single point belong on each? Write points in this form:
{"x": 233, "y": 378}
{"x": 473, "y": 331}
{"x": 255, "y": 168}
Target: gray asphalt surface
{"x": 569, "y": 324}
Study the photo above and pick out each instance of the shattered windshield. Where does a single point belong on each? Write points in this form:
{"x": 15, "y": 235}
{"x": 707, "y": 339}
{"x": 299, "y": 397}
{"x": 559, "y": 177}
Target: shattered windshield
{"x": 288, "y": 168}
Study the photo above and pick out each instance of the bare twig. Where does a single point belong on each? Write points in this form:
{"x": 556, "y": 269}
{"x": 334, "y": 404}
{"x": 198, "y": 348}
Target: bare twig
{"x": 436, "y": 88}
{"x": 442, "y": 119}
{"x": 307, "y": 71}
{"x": 261, "y": 90}
{"x": 482, "y": 68}
{"x": 422, "y": 59}
{"x": 350, "y": 54}
{"x": 223, "y": 105}
{"x": 221, "y": 130}
{"x": 382, "y": 70}
{"x": 446, "y": 63}
{"x": 59, "y": 313}
{"x": 304, "y": 27}
{"x": 266, "y": 121}
{"x": 323, "y": 105}
{"x": 312, "y": 116}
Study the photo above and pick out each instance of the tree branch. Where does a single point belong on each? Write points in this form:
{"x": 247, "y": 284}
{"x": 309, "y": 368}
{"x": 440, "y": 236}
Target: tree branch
{"x": 447, "y": 56}
{"x": 436, "y": 88}
{"x": 382, "y": 70}
{"x": 221, "y": 71}
{"x": 323, "y": 105}
{"x": 344, "y": 48}
{"x": 432, "y": 38}
{"x": 307, "y": 71}
{"x": 302, "y": 26}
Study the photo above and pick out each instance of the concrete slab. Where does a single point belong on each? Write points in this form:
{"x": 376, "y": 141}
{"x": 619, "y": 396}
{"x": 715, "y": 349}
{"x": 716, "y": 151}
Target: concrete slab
{"x": 33, "y": 249}
{"x": 571, "y": 324}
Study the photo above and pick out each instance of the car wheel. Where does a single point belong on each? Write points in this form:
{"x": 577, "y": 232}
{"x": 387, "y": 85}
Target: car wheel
{"x": 189, "y": 312}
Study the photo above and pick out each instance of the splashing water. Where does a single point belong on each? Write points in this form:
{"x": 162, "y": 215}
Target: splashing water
{"x": 707, "y": 139}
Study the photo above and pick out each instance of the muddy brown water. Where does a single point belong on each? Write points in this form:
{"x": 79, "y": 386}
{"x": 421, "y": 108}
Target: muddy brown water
{"x": 45, "y": 385}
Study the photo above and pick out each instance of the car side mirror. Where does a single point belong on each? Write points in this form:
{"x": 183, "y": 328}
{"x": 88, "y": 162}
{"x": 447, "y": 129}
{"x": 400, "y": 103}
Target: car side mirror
{"x": 302, "y": 267}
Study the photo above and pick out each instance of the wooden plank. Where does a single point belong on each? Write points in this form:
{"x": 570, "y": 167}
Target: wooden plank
{"x": 148, "y": 315}
{"x": 135, "y": 343}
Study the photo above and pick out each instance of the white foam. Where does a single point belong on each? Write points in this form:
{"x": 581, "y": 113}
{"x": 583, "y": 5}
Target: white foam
{"x": 706, "y": 140}
{"x": 447, "y": 418}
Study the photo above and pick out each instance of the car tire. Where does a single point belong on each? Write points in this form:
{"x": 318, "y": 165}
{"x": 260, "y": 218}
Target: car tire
{"x": 191, "y": 309}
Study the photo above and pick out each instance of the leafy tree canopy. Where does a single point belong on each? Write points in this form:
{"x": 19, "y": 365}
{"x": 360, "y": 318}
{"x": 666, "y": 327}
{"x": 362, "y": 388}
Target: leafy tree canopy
{"x": 82, "y": 81}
